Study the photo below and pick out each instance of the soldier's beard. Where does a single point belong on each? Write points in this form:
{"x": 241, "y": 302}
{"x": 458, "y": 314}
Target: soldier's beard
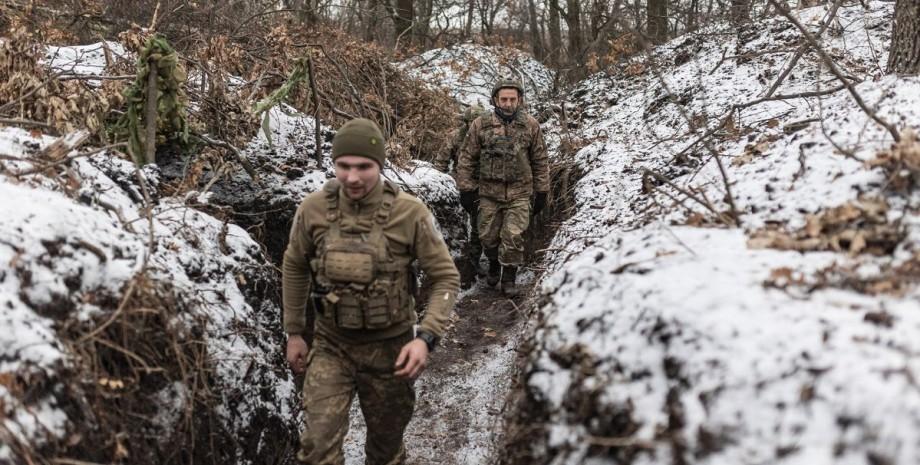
{"x": 506, "y": 116}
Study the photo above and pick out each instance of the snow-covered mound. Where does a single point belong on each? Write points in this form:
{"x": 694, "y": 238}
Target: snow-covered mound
{"x": 468, "y": 71}
{"x": 666, "y": 336}
{"x": 84, "y": 275}
{"x": 288, "y": 171}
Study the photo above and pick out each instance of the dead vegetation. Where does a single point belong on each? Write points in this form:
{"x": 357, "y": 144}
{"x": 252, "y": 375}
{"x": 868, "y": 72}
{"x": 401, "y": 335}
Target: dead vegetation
{"x": 856, "y": 227}
{"x": 901, "y": 163}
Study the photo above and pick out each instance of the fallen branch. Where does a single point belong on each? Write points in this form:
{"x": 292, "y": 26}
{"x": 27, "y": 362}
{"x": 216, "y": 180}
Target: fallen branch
{"x": 836, "y": 71}
{"x": 801, "y": 50}
{"x": 236, "y": 153}
{"x": 722, "y": 217}
{"x": 27, "y": 122}
{"x": 736, "y": 217}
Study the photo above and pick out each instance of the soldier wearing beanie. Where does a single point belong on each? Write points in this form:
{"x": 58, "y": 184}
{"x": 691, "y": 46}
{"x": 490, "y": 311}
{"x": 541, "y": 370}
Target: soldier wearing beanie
{"x": 346, "y": 267}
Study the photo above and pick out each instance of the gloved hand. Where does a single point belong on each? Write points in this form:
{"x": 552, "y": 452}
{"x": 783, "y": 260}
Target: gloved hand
{"x": 468, "y": 200}
{"x": 539, "y": 202}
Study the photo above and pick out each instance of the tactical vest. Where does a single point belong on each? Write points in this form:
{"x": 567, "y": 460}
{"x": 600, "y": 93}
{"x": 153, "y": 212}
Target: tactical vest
{"x": 365, "y": 288}
{"x": 502, "y": 158}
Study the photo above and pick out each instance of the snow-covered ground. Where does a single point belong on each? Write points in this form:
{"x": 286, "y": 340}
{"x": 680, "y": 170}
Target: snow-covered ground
{"x": 665, "y": 340}
{"x": 72, "y": 247}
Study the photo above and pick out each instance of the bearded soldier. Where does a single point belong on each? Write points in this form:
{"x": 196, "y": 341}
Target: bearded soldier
{"x": 351, "y": 246}
{"x": 503, "y": 166}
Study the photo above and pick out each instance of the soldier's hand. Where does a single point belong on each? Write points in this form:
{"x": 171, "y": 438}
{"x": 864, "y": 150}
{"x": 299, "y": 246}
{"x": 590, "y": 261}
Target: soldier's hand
{"x": 468, "y": 200}
{"x": 539, "y": 202}
{"x": 412, "y": 359}
{"x": 297, "y": 350}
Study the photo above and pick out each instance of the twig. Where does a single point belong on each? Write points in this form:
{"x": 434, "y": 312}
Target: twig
{"x": 690, "y": 195}
{"x": 150, "y": 113}
{"x": 91, "y": 77}
{"x": 836, "y": 71}
{"x": 801, "y": 50}
{"x": 39, "y": 167}
{"x": 236, "y": 153}
{"x": 27, "y": 122}
{"x": 317, "y": 138}
{"x": 619, "y": 442}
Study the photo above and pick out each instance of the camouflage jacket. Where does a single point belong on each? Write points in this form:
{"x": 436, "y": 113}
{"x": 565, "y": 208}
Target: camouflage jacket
{"x": 411, "y": 235}
{"x": 444, "y": 157}
{"x": 504, "y": 161}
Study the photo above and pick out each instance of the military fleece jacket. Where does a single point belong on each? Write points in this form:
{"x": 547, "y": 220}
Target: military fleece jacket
{"x": 410, "y": 233}
{"x": 525, "y": 131}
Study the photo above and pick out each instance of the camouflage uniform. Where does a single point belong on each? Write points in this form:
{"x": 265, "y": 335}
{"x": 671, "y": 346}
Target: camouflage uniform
{"x": 360, "y": 328}
{"x": 507, "y": 164}
{"x": 457, "y": 136}
{"x": 442, "y": 164}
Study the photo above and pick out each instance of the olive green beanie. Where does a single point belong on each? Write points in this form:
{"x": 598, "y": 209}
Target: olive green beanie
{"x": 359, "y": 137}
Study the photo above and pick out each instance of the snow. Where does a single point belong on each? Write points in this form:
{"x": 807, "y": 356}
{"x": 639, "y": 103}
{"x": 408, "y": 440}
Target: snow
{"x": 674, "y": 324}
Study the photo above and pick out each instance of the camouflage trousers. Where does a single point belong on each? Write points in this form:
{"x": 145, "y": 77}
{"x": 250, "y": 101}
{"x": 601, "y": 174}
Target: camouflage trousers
{"x": 502, "y": 225}
{"x": 335, "y": 373}
{"x": 474, "y": 246}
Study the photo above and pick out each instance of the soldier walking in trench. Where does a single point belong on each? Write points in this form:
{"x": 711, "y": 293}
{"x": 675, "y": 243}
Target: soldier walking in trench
{"x": 351, "y": 245}
{"x": 443, "y": 164}
{"x": 503, "y": 166}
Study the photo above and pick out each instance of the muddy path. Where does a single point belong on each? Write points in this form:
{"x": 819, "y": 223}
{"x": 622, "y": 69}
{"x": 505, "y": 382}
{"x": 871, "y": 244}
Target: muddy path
{"x": 461, "y": 396}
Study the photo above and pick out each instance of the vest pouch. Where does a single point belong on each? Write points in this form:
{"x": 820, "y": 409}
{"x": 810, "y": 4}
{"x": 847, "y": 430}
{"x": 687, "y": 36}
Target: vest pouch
{"x": 348, "y": 312}
{"x": 383, "y": 305}
{"x": 497, "y": 160}
{"x": 350, "y": 262}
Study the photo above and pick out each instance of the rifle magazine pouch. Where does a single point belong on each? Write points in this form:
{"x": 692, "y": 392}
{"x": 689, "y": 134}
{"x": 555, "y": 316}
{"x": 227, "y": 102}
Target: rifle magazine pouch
{"x": 348, "y": 313}
{"x": 383, "y": 304}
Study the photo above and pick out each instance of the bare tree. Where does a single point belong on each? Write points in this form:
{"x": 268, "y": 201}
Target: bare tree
{"x": 904, "y": 56}
{"x": 535, "y": 36}
{"x": 740, "y": 11}
{"x": 403, "y": 13}
{"x": 555, "y": 33}
{"x": 657, "y": 12}
{"x": 572, "y": 17}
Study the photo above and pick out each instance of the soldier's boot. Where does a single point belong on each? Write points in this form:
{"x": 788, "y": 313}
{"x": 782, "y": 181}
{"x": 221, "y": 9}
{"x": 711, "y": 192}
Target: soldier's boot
{"x": 495, "y": 269}
{"x": 509, "y": 281}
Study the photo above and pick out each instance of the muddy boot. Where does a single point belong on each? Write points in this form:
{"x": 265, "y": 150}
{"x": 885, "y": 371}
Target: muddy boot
{"x": 468, "y": 273}
{"x": 509, "y": 284}
{"x": 495, "y": 269}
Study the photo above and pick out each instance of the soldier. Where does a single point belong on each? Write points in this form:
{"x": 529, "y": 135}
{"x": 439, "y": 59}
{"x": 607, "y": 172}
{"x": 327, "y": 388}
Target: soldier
{"x": 502, "y": 164}
{"x": 352, "y": 244}
{"x": 442, "y": 164}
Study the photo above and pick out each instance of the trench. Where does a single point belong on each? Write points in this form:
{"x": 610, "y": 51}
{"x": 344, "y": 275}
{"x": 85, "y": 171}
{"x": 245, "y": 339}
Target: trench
{"x": 462, "y": 400}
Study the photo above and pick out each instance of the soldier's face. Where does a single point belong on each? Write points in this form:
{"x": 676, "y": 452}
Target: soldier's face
{"x": 508, "y": 100}
{"x": 358, "y": 175}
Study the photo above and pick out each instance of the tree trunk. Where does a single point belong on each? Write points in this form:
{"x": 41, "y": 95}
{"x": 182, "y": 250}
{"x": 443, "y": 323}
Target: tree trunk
{"x": 370, "y": 20}
{"x": 692, "y": 15}
{"x": 904, "y": 55}
{"x": 403, "y": 19}
{"x": 468, "y": 29}
{"x": 423, "y": 27}
{"x": 573, "y": 21}
{"x": 555, "y": 33}
{"x": 535, "y": 37}
{"x": 740, "y": 11}
{"x": 657, "y": 13}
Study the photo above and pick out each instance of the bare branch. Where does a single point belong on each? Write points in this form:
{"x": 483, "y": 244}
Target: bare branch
{"x": 832, "y": 66}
